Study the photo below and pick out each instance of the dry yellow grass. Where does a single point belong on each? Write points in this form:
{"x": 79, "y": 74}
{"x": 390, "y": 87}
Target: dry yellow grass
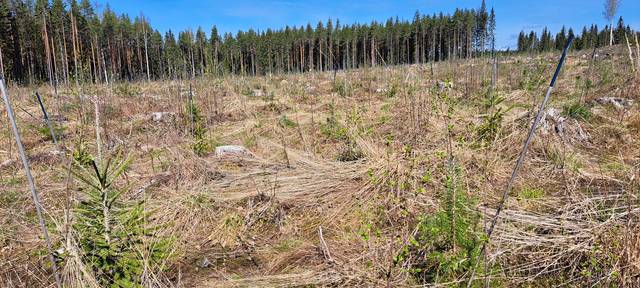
{"x": 254, "y": 221}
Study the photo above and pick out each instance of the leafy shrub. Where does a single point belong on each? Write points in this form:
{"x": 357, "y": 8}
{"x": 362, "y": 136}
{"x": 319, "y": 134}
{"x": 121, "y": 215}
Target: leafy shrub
{"x": 492, "y": 99}
{"x": 333, "y": 129}
{"x": 114, "y": 240}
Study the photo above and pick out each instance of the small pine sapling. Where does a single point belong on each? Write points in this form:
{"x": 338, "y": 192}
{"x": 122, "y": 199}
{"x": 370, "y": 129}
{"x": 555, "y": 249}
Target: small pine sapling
{"x": 114, "y": 239}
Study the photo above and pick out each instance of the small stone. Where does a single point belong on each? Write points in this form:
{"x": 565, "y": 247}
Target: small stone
{"x": 163, "y": 116}
{"x": 203, "y": 263}
{"x": 6, "y": 163}
{"x": 309, "y": 88}
{"x": 258, "y": 93}
{"x": 231, "y": 150}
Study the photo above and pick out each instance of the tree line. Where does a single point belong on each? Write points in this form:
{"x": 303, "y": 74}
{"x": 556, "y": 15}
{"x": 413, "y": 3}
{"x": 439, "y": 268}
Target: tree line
{"x": 65, "y": 42}
{"x": 589, "y": 38}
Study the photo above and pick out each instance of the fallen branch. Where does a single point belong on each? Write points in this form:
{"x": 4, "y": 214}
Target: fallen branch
{"x": 324, "y": 247}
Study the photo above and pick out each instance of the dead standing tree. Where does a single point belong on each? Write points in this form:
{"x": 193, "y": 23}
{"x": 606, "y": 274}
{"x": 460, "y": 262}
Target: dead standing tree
{"x": 610, "y": 10}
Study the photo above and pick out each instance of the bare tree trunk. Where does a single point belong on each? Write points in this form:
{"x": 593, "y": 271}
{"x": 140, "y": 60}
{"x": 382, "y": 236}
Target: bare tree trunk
{"x": 311, "y": 55}
{"x": 633, "y": 65}
{"x": 2, "y": 64}
{"x": 611, "y": 33}
{"x": 47, "y": 50}
{"x": 215, "y": 59}
{"x": 54, "y": 62}
{"x": 74, "y": 43}
{"x": 146, "y": 50}
{"x": 373, "y": 56}
{"x": 64, "y": 60}
{"x": 94, "y": 63}
{"x": 104, "y": 67}
{"x": 320, "y": 65}
{"x": 193, "y": 68}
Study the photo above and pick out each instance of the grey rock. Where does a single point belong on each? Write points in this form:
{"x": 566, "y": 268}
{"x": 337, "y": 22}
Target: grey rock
{"x": 231, "y": 150}
{"x": 163, "y": 116}
{"x": 258, "y": 93}
{"x": 618, "y": 103}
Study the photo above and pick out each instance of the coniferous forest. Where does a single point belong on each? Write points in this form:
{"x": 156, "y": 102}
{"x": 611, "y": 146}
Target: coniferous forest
{"x": 589, "y": 38}
{"x": 65, "y": 41}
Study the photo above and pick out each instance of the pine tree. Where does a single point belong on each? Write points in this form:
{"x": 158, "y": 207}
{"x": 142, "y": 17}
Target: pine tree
{"x": 112, "y": 234}
{"x": 492, "y": 28}
{"x": 561, "y": 39}
{"x": 214, "y": 43}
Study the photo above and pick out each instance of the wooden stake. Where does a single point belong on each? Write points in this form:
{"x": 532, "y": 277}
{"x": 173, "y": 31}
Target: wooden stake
{"x": 32, "y": 185}
{"x": 523, "y": 153}
{"x": 46, "y": 120}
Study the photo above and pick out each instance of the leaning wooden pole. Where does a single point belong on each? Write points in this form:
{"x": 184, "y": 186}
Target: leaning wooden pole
{"x": 47, "y": 121}
{"x": 32, "y": 186}
{"x": 532, "y": 131}
{"x": 523, "y": 153}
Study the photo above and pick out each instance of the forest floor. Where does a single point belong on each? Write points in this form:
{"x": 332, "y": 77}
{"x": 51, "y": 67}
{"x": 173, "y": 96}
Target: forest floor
{"x": 347, "y": 172}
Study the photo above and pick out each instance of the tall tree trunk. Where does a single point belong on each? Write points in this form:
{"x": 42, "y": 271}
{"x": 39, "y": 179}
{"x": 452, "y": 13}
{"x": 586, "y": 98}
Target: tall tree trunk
{"x": 373, "y": 53}
{"x": 1, "y": 65}
{"x": 94, "y": 61}
{"x": 47, "y": 50}
{"x": 611, "y": 33}
{"x": 54, "y": 61}
{"x": 193, "y": 68}
{"x": 320, "y": 66}
{"x": 311, "y": 55}
{"x": 64, "y": 56}
{"x": 146, "y": 52}
{"x": 104, "y": 67}
{"x": 74, "y": 43}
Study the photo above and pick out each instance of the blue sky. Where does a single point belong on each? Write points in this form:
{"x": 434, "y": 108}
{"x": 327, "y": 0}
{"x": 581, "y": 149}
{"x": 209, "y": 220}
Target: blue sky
{"x": 231, "y": 16}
